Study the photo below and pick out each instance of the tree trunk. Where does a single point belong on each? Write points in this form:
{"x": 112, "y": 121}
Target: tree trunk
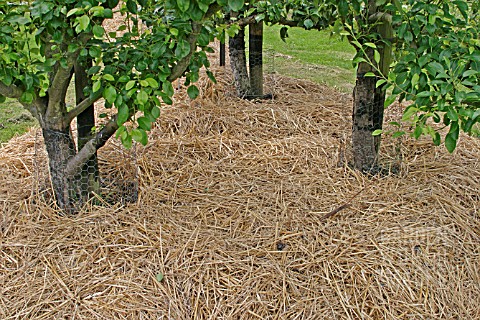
{"x": 256, "y": 59}
{"x": 61, "y": 148}
{"x": 238, "y": 63}
{"x": 385, "y": 31}
{"x": 85, "y": 122}
{"x": 365, "y": 115}
{"x": 368, "y": 107}
{"x": 222, "y": 51}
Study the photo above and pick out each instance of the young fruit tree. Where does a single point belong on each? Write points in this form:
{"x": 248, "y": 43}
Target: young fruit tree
{"x": 426, "y": 53}
{"x": 42, "y": 43}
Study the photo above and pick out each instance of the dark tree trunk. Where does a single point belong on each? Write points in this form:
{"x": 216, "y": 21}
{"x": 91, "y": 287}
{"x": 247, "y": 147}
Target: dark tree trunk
{"x": 67, "y": 188}
{"x": 238, "y": 62}
{"x": 222, "y": 51}
{"x": 256, "y": 59}
{"x": 365, "y": 117}
{"x": 85, "y": 123}
{"x": 368, "y": 106}
{"x": 378, "y": 111}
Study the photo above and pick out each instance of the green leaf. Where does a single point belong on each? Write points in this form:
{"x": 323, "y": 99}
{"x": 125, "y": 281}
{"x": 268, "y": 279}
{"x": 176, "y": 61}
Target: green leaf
{"x": 192, "y": 91}
{"x": 424, "y": 94}
{"x": 27, "y": 97}
{"x": 132, "y": 6}
{"x": 436, "y": 139}
{"x": 74, "y": 11}
{"x": 83, "y": 23}
{"x": 127, "y": 140}
{"x": 450, "y": 142}
{"x": 142, "y": 97}
{"x": 235, "y": 5}
{"x": 152, "y": 82}
{"x": 140, "y": 135}
{"x": 415, "y": 79}
{"x": 110, "y": 94}
{"x": 168, "y": 88}
{"x": 183, "y": 5}
{"x": 435, "y": 68}
{"x": 380, "y": 82}
{"x": 376, "y": 56}
{"x": 112, "y": 3}
{"x": 108, "y": 14}
{"x": 211, "y": 76}
{"x": 98, "y": 31}
{"x": 183, "y": 49}
{"x": 389, "y": 100}
{"x": 144, "y": 123}
{"x": 369, "y": 74}
{"x": 452, "y": 114}
{"x": 155, "y": 112}
{"x": 377, "y": 132}
{"x": 159, "y": 277}
{"x": 308, "y": 24}
{"x": 130, "y": 84}
{"x": 108, "y": 77}
{"x": 469, "y": 73}
{"x": 418, "y": 131}
{"x": 93, "y": 70}
{"x": 123, "y": 114}
{"x": 398, "y": 134}
{"x": 370, "y": 44}
{"x": 96, "y": 86}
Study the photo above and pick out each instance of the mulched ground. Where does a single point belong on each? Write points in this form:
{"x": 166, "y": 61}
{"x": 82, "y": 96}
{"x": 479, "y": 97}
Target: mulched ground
{"x": 229, "y": 221}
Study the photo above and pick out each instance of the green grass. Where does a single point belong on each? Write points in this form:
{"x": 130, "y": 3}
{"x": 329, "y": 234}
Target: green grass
{"x": 14, "y": 119}
{"x": 313, "y": 55}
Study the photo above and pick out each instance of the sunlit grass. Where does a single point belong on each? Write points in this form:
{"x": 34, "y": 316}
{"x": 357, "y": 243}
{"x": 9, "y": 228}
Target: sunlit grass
{"x": 312, "y": 54}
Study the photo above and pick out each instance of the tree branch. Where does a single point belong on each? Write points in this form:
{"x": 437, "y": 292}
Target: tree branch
{"x": 58, "y": 89}
{"x": 244, "y": 21}
{"x": 181, "y": 66}
{"x": 11, "y": 91}
{"x": 82, "y": 106}
{"x": 60, "y": 81}
{"x": 96, "y": 142}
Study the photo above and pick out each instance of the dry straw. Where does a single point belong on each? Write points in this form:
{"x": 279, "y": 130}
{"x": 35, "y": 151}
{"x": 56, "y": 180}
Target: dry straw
{"x": 229, "y": 224}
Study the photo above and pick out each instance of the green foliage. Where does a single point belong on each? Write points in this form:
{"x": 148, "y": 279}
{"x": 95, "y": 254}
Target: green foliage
{"x": 438, "y": 67}
{"x": 132, "y": 68}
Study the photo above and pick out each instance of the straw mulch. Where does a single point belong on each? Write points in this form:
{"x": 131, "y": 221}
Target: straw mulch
{"x": 229, "y": 222}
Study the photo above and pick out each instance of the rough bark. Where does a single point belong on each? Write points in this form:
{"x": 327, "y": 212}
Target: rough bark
{"x": 256, "y": 59}
{"x": 385, "y": 31}
{"x": 238, "y": 63}
{"x": 368, "y": 106}
{"x": 85, "y": 123}
{"x": 61, "y": 148}
{"x": 222, "y": 52}
{"x": 364, "y": 112}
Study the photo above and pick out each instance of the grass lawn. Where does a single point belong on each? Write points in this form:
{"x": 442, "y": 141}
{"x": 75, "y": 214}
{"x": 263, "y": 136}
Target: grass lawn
{"x": 313, "y": 55}
{"x": 14, "y": 119}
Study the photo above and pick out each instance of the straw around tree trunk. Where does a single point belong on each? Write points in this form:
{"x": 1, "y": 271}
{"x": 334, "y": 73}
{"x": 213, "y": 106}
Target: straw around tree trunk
{"x": 230, "y": 221}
